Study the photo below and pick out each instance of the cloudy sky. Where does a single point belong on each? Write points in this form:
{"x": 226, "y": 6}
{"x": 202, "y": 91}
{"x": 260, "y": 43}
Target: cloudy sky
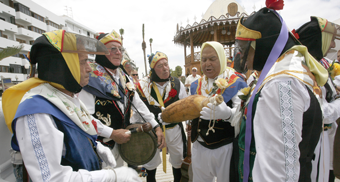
{"x": 161, "y": 17}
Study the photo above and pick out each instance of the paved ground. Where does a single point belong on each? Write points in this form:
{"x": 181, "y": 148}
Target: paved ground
{"x": 160, "y": 175}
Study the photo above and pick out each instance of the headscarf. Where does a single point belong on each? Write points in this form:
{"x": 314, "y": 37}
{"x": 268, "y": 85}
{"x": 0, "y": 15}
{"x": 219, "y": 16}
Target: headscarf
{"x": 106, "y": 38}
{"x": 316, "y": 35}
{"x": 153, "y": 60}
{"x": 220, "y": 53}
{"x": 56, "y": 54}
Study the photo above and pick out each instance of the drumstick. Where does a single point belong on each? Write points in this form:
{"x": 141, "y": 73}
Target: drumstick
{"x": 146, "y": 127}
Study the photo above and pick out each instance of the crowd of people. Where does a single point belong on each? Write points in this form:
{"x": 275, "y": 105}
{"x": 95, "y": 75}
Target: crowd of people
{"x": 276, "y": 123}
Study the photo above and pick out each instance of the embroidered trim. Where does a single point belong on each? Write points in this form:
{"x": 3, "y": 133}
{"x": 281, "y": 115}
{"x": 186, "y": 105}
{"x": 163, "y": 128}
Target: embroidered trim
{"x": 103, "y": 103}
{"x": 289, "y": 140}
{"x": 107, "y": 119}
{"x": 38, "y": 149}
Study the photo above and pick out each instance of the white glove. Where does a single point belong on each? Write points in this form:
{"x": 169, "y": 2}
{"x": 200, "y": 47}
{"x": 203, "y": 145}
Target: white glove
{"x": 126, "y": 174}
{"x": 160, "y": 119}
{"x": 221, "y": 111}
{"x": 106, "y": 155}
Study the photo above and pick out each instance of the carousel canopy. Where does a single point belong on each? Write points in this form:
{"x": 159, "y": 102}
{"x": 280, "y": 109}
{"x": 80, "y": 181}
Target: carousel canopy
{"x": 219, "y": 22}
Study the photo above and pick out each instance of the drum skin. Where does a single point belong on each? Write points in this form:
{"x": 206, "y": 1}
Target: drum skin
{"x": 141, "y": 147}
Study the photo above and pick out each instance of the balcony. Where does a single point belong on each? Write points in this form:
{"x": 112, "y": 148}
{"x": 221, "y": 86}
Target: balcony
{"x": 11, "y": 60}
{"x": 25, "y": 32}
{"x": 7, "y": 9}
{"x": 8, "y": 43}
{"x": 26, "y": 47}
{"x": 6, "y": 26}
{"x": 35, "y": 35}
{"x": 22, "y": 17}
{"x": 39, "y": 24}
{"x": 68, "y": 29}
{"x": 51, "y": 28}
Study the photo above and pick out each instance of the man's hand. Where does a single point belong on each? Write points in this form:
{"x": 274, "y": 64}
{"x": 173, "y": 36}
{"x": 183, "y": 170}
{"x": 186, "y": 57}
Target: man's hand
{"x": 161, "y": 139}
{"x": 119, "y": 136}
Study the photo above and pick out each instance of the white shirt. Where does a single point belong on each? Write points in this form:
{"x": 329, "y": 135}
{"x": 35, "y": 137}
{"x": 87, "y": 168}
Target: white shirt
{"x": 191, "y": 79}
{"x": 44, "y": 151}
{"x": 277, "y": 140}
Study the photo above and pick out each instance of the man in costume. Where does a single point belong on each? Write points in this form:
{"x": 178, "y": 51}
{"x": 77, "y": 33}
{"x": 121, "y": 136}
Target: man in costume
{"x": 212, "y": 134}
{"x": 134, "y": 75}
{"x": 158, "y": 91}
{"x": 318, "y": 36}
{"x": 110, "y": 95}
{"x": 282, "y": 117}
{"x": 51, "y": 127}
{"x": 127, "y": 66}
{"x": 191, "y": 78}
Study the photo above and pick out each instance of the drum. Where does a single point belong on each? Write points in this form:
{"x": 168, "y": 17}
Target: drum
{"x": 140, "y": 149}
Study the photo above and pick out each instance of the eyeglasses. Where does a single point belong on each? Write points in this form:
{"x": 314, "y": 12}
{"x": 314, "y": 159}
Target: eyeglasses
{"x": 115, "y": 49}
{"x": 134, "y": 74}
{"x": 194, "y": 70}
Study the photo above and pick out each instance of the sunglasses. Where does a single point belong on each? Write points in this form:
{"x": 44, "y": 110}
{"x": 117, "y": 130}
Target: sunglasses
{"x": 134, "y": 74}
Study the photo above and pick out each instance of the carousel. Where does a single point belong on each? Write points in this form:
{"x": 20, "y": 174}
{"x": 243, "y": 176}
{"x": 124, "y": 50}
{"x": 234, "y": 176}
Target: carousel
{"x": 218, "y": 24}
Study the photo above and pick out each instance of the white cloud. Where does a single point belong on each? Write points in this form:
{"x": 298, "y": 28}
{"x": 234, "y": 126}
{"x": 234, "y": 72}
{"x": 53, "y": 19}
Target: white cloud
{"x": 161, "y": 18}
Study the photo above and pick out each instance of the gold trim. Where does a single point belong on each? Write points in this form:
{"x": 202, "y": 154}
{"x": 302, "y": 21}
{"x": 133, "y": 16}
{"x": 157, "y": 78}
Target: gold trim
{"x": 103, "y": 103}
{"x": 107, "y": 120}
{"x": 246, "y": 33}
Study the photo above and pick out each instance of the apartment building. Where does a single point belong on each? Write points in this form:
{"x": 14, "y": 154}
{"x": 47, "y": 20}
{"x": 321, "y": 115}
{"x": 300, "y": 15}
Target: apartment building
{"x": 21, "y": 22}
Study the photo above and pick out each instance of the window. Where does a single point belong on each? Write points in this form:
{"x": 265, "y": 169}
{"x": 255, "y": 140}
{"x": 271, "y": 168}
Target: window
{"x": 0, "y": 34}
{"x": 52, "y": 24}
{"x": 22, "y": 8}
{"x": 2, "y": 19}
{"x": 31, "y": 42}
{"x": 4, "y": 36}
{"x": 12, "y": 19}
{"x": 37, "y": 16}
{"x": 14, "y": 68}
{"x": 88, "y": 34}
{"x": 21, "y": 41}
{"x": 4, "y": 69}
{"x": 34, "y": 29}
{"x": 20, "y": 26}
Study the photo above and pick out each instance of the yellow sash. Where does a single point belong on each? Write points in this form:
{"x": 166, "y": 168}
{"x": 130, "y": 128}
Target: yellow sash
{"x": 160, "y": 101}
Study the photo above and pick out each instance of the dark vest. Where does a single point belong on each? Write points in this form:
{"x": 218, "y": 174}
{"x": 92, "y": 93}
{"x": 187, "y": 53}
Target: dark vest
{"x": 224, "y": 132}
{"x": 175, "y": 84}
{"x": 106, "y": 104}
{"x": 80, "y": 146}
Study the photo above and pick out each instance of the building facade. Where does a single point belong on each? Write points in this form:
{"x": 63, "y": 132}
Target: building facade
{"x": 21, "y": 22}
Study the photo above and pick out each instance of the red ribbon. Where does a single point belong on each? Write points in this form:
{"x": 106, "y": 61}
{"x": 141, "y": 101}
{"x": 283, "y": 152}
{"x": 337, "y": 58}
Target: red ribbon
{"x": 295, "y": 34}
{"x": 274, "y": 4}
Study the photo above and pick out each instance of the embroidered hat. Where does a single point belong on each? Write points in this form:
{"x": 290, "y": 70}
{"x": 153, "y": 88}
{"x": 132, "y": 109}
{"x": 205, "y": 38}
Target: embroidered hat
{"x": 154, "y": 58}
{"x": 124, "y": 62}
{"x": 194, "y": 68}
{"x": 106, "y": 38}
{"x": 57, "y": 55}
{"x": 112, "y": 37}
{"x": 263, "y": 28}
{"x": 317, "y": 35}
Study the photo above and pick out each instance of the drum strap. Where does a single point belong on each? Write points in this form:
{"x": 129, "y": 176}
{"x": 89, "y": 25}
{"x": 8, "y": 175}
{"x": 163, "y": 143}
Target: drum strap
{"x": 160, "y": 101}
